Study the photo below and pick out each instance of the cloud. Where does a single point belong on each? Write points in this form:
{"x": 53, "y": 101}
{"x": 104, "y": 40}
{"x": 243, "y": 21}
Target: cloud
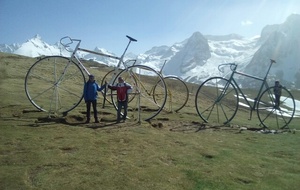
{"x": 246, "y": 22}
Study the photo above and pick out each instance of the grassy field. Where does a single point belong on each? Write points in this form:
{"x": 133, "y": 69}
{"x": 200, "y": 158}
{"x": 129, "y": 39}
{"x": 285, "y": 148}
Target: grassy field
{"x": 172, "y": 151}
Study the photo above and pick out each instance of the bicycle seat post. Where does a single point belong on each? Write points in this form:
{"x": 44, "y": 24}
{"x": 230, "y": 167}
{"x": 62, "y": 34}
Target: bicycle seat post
{"x": 122, "y": 57}
{"x": 162, "y": 67}
{"x": 271, "y": 62}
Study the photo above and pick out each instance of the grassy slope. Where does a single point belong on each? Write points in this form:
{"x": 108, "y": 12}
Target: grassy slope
{"x": 167, "y": 153}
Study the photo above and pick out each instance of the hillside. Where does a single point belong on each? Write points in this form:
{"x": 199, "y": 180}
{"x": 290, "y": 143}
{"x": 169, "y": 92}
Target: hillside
{"x": 172, "y": 151}
{"x": 15, "y": 67}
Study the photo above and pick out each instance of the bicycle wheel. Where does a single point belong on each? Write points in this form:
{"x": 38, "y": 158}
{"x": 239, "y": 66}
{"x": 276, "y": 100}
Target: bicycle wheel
{"x": 273, "y": 116}
{"x": 217, "y": 100}
{"x": 177, "y": 93}
{"x": 54, "y": 84}
{"x": 143, "y": 79}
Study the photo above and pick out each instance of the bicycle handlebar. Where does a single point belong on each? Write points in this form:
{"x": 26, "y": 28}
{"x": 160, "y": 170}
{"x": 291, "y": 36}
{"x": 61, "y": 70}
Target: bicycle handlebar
{"x": 272, "y": 61}
{"x": 232, "y": 66}
{"x": 67, "y": 41}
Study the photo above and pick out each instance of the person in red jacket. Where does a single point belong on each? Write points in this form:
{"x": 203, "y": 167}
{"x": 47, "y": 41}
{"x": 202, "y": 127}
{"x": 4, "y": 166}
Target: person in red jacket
{"x": 122, "y": 89}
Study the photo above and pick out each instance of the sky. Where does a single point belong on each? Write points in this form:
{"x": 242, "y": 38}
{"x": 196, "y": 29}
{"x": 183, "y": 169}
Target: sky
{"x": 105, "y": 23}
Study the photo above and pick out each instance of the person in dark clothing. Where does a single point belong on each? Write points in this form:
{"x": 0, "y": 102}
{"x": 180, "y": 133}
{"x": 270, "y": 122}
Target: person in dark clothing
{"x": 122, "y": 89}
{"x": 277, "y": 93}
{"x": 90, "y": 95}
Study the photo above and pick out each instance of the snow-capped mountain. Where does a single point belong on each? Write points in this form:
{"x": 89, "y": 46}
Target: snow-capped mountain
{"x": 36, "y": 47}
{"x": 9, "y": 48}
{"x": 197, "y": 57}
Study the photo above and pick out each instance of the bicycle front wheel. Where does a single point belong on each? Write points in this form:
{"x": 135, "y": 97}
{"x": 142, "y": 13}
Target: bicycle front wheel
{"x": 178, "y": 93}
{"x": 54, "y": 84}
{"x": 217, "y": 100}
{"x": 276, "y": 114}
{"x": 143, "y": 79}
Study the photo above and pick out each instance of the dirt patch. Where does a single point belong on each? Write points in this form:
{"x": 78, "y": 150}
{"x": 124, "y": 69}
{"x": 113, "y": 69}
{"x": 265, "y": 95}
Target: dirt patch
{"x": 71, "y": 119}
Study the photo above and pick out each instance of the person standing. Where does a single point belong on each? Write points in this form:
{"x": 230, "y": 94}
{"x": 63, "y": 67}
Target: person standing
{"x": 277, "y": 93}
{"x": 90, "y": 94}
{"x": 122, "y": 89}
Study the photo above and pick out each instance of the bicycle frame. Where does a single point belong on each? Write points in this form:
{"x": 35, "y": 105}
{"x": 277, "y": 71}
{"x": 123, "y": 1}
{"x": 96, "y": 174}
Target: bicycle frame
{"x": 65, "y": 71}
{"x": 263, "y": 84}
{"x": 218, "y": 99}
{"x": 77, "y": 48}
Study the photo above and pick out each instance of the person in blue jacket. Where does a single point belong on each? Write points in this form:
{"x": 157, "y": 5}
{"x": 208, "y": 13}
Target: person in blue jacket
{"x": 90, "y": 95}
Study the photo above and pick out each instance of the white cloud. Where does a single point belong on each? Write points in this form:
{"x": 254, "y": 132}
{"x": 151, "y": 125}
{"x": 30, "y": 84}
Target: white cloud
{"x": 246, "y": 22}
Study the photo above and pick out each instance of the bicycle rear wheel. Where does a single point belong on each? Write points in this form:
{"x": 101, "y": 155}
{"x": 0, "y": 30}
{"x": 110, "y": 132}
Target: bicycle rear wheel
{"x": 143, "y": 79}
{"x": 273, "y": 116}
{"x": 178, "y": 93}
{"x": 54, "y": 84}
{"x": 217, "y": 100}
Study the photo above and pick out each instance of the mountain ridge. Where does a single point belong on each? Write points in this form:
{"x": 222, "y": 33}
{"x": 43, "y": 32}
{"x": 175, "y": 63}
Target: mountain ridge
{"x": 197, "y": 57}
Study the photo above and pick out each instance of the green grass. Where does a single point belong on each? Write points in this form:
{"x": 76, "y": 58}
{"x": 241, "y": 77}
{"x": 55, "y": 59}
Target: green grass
{"x": 169, "y": 152}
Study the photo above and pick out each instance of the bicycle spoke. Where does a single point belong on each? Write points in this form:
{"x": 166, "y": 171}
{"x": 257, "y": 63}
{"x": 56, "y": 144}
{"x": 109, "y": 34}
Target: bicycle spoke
{"x": 210, "y": 111}
{"x": 70, "y": 92}
{"x": 39, "y": 77}
{"x": 225, "y": 111}
{"x": 42, "y": 93}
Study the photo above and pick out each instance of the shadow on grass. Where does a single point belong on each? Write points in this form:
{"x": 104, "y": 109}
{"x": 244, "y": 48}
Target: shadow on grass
{"x": 78, "y": 120}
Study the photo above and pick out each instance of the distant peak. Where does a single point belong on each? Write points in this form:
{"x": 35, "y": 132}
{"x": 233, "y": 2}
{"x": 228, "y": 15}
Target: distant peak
{"x": 293, "y": 18}
{"x": 224, "y": 37}
{"x": 37, "y": 36}
{"x": 196, "y": 35}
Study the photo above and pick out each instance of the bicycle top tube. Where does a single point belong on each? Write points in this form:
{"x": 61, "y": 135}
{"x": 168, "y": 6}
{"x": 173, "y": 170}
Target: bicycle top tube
{"x": 233, "y": 67}
{"x": 67, "y": 41}
{"x": 99, "y": 53}
{"x": 259, "y": 78}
